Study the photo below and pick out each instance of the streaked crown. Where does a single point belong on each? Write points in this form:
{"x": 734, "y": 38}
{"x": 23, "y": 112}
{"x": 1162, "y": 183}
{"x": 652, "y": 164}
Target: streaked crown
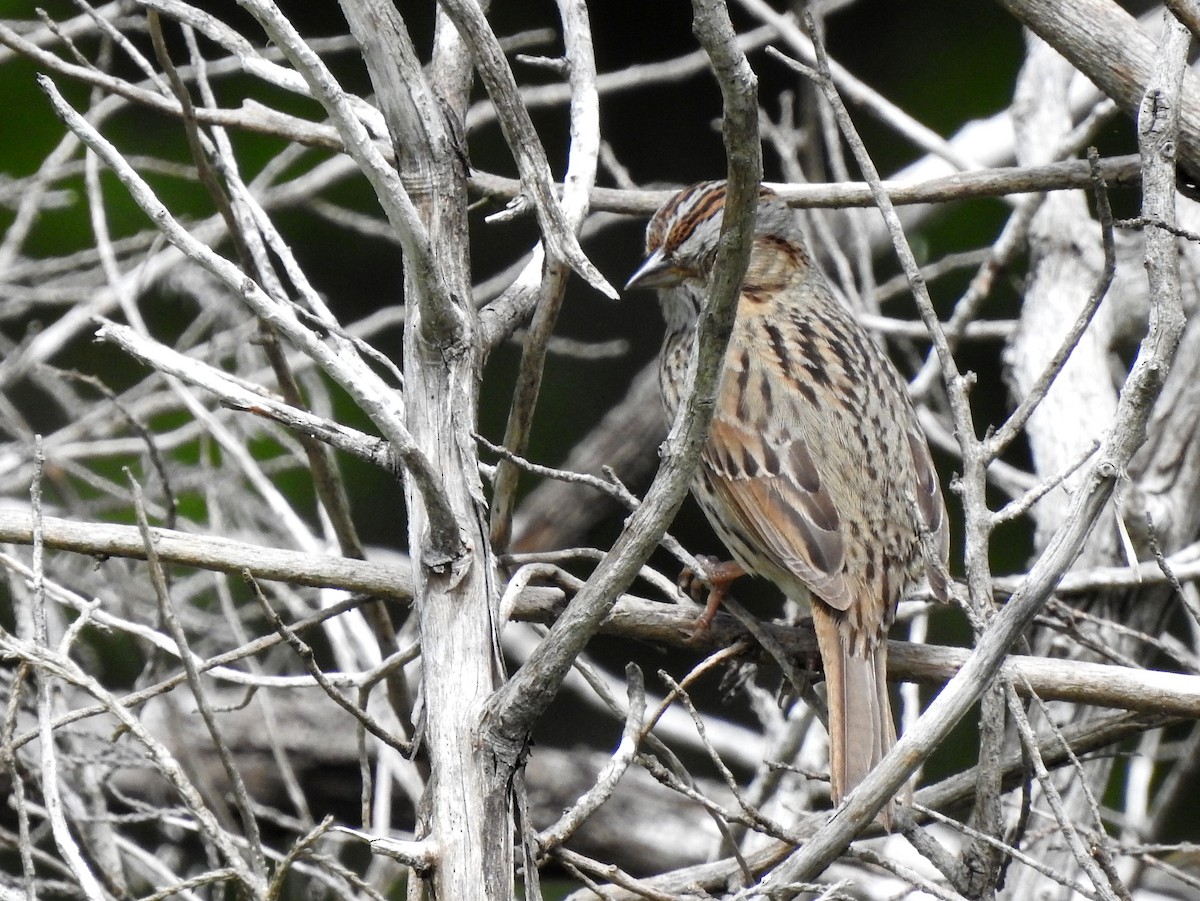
{"x": 681, "y": 239}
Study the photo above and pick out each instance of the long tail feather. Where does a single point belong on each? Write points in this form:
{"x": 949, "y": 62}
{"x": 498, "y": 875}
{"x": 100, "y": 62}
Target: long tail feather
{"x": 861, "y": 730}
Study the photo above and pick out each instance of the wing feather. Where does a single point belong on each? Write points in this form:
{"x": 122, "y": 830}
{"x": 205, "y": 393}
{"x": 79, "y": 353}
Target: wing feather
{"x": 774, "y": 496}
{"x": 933, "y": 510}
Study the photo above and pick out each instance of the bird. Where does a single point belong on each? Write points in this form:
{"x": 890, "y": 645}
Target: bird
{"x": 816, "y": 473}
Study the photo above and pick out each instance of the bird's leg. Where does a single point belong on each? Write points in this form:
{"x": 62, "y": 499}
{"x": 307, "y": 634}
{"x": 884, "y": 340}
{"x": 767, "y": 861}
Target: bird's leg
{"x": 717, "y": 576}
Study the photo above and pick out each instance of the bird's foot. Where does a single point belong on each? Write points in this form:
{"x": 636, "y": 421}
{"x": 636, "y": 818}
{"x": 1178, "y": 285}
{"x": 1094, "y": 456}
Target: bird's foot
{"x": 716, "y": 577}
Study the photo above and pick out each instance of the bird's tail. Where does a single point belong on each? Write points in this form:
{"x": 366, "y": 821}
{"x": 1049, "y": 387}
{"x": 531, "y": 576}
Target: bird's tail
{"x": 861, "y": 730}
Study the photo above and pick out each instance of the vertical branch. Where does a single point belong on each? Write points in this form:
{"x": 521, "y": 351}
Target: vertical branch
{"x": 1158, "y": 126}
{"x": 51, "y": 792}
{"x": 419, "y": 250}
{"x": 1066, "y": 263}
{"x": 467, "y": 809}
{"x": 1081, "y": 404}
{"x": 580, "y": 178}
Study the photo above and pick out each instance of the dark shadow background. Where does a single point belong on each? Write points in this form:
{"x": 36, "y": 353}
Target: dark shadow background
{"x": 945, "y": 62}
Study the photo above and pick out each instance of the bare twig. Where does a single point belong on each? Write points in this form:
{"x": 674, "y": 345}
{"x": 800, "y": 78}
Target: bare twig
{"x": 166, "y": 609}
{"x": 553, "y": 836}
{"x": 308, "y": 658}
{"x": 580, "y": 177}
{"x": 523, "y": 141}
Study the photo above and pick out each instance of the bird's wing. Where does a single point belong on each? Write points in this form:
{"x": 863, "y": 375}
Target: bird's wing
{"x": 933, "y": 510}
{"x": 772, "y": 492}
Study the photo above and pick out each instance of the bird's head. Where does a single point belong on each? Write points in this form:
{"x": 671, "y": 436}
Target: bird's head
{"x": 681, "y": 239}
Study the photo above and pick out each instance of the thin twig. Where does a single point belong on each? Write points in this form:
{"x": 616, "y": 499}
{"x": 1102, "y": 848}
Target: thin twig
{"x": 1054, "y": 799}
{"x": 1012, "y": 426}
{"x": 606, "y": 780}
{"x": 308, "y": 658}
{"x": 167, "y": 613}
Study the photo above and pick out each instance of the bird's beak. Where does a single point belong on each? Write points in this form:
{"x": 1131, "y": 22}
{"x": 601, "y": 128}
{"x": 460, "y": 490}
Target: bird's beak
{"x": 655, "y": 272}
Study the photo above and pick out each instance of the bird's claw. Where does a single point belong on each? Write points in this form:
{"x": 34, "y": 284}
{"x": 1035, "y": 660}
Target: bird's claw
{"x": 716, "y": 578}
{"x": 695, "y": 582}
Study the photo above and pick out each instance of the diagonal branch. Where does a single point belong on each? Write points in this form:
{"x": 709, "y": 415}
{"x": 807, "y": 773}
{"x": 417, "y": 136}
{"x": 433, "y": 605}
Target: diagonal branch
{"x": 1107, "y": 44}
{"x": 424, "y": 146}
{"x": 1157, "y": 132}
{"x": 511, "y": 712}
{"x": 526, "y": 147}
{"x": 367, "y": 389}
{"x": 384, "y": 178}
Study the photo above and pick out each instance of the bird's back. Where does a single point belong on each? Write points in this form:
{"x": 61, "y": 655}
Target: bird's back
{"x": 808, "y": 397}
